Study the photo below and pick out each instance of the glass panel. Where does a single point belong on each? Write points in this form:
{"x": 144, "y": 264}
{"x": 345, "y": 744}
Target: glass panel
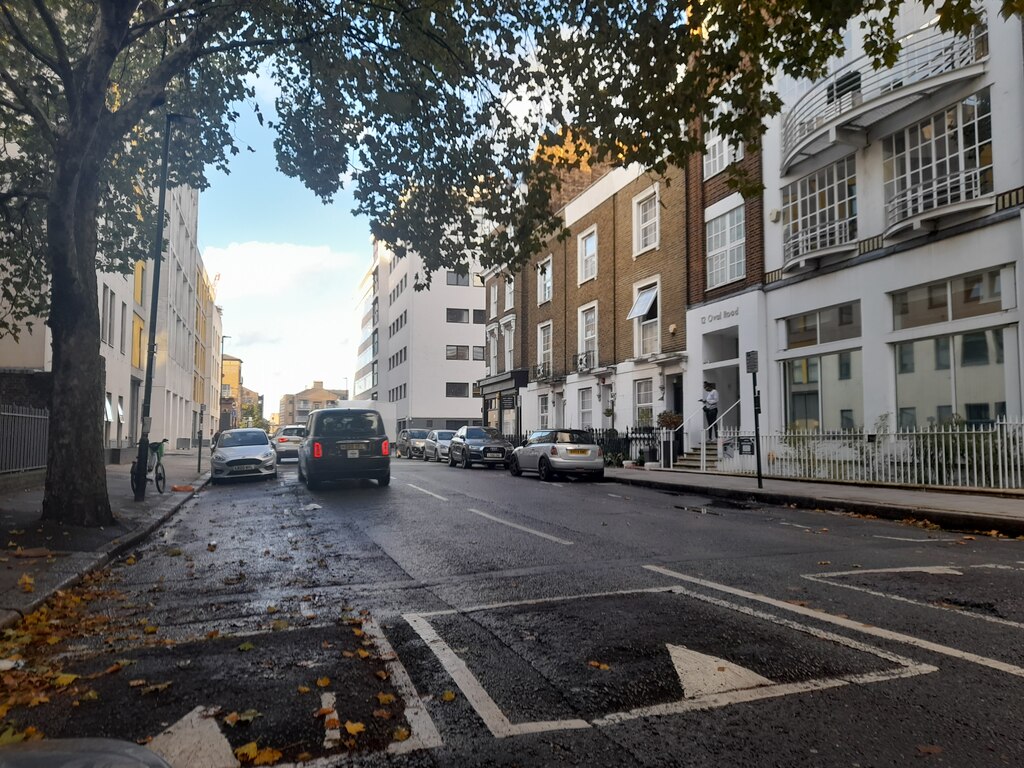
{"x": 980, "y": 375}
{"x": 841, "y": 390}
{"x": 920, "y": 305}
{"x": 977, "y": 294}
{"x": 841, "y": 322}
{"x": 802, "y": 403}
{"x": 924, "y": 387}
{"x": 801, "y": 331}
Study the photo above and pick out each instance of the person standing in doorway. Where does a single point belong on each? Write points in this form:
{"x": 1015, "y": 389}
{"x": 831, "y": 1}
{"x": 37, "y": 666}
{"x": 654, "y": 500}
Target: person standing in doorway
{"x": 710, "y": 401}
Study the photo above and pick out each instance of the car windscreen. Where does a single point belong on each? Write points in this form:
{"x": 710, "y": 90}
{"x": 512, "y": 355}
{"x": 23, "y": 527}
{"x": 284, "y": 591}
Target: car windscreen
{"x": 292, "y": 431}
{"x": 574, "y": 436}
{"x": 349, "y": 424}
{"x": 235, "y": 439}
{"x": 419, "y": 434}
{"x": 445, "y": 435}
{"x": 483, "y": 433}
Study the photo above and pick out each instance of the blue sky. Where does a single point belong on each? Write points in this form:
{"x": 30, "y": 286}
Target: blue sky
{"x": 289, "y": 270}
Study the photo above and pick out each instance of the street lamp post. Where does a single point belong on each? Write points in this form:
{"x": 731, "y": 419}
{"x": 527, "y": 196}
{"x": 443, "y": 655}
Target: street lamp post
{"x": 220, "y": 413}
{"x": 142, "y": 462}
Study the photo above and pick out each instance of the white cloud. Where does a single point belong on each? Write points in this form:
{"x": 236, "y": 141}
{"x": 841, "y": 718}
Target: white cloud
{"x": 290, "y": 312}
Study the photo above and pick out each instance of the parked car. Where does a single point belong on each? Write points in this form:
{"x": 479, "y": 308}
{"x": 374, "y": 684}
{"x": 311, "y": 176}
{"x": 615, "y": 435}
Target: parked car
{"x": 287, "y": 440}
{"x": 478, "y": 445}
{"x": 410, "y": 443}
{"x": 436, "y": 445}
{"x": 242, "y": 453}
{"x": 553, "y": 452}
{"x": 343, "y": 443}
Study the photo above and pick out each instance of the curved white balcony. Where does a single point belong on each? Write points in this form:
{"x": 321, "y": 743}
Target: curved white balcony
{"x": 924, "y": 204}
{"x": 843, "y": 105}
{"x": 828, "y": 238}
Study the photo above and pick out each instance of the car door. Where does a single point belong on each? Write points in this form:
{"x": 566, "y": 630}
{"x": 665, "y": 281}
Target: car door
{"x": 532, "y": 450}
{"x": 458, "y": 445}
{"x": 429, "y": 444}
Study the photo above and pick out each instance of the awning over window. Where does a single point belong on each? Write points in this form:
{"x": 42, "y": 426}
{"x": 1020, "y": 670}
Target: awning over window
{"x": 643, "y": 302}
{"x": 107, "y": 417}
{"x": 120, "y": 413}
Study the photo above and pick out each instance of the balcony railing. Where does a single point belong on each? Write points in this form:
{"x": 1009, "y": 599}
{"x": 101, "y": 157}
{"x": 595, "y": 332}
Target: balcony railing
{"x": 961, "y": 187}
{"x": 542, "y": 371}
{"x": 925, "y": 54}
{"x": 820, "y": 237}
{"x": 585, "y": 361}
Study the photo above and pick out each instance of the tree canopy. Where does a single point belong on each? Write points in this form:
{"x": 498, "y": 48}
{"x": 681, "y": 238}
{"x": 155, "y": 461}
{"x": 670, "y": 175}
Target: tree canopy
{"x": 438, "y": 112}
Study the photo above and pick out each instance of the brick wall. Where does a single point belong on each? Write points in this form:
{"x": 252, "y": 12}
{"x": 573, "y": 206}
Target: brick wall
{"x": 31, "y": 390}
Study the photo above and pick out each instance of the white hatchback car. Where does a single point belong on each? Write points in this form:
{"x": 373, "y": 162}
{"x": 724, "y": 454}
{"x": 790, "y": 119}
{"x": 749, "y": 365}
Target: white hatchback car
{"x": 553, "y": 452}
{"x": 287, "y": 440}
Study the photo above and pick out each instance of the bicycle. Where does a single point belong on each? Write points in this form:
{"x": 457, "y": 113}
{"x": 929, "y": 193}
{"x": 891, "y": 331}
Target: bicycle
{"x": 155, "y": 466}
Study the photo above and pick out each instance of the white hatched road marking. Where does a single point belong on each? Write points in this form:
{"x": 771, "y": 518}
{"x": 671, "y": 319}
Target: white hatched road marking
{"x": 547, "y": 536}
{"x": 332, "y": 736}
{"x": 826, "y": 578}
{"x": 857, "y": 626}
{"x": 429, "y": 493}
{"x": 908, "y": 538}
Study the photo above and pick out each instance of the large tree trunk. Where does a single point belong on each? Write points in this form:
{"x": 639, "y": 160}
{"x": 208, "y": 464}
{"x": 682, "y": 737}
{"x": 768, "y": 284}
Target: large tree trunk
{"x": 76, "y": 475}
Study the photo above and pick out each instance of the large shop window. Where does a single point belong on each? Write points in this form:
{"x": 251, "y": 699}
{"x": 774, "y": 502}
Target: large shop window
{"x": 825, "y": 391}
{"x": 952, "y": 377}
{"x": 830, "y": 324}
{"x": 979, "y": 293}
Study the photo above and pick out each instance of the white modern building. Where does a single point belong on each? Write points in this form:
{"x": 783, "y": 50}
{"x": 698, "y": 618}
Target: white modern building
{"x": 893, "y": 240}
{"x": 421, "y": 350}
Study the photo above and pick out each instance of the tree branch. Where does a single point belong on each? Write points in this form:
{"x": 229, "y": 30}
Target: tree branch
{"x": 31, "y": 107}
{"x": 63, "y": 63}
{"x": 12, "y": 26}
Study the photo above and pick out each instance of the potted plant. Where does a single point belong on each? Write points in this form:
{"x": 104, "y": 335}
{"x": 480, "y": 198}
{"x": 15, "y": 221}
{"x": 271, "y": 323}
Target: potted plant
{"x": 669, "y": 419}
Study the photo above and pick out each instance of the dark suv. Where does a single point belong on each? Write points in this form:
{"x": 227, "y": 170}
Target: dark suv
{"x": 479, "y": 445}
{"x": 343, "y": 443}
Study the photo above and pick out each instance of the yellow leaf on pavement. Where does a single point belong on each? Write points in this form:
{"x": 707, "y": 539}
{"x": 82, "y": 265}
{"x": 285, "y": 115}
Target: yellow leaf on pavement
{"x": 348, "y": 654}
{"x": 382, "y": 714}
{"x": 448, "y": 696}
{"x": 363, "y": 653}
{"x": 267, "y": 756}
{"x": 272, "y": 609}
{"x": 386, "y": 698}
{"x": 324, "y": 711}
{"x": 278, "y": 624}
{"x": 303, "y": 689}
{"x": 323, "y": 682}
{"x": 381, "y": 674}
{"x": 357, "y": 632}
{"x": 247, "y": 752}
{"x": 130, "y": 560}
{"x": 27, "y": 583}
{"x": 246, "y": 646}
{"x": 150, "y": 629}
{"x": 401, "y": 734}
{"x": 63, "y": 681}
{"x": 354, "y": 728}
{"x": 231, "y": 719}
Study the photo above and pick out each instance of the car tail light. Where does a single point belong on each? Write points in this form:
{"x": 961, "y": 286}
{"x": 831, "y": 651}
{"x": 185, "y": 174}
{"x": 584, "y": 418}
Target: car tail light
{"x": 554, "y": 450}
{"x": 318, "y": 451}
{"x": 282, "y": 439}
{"x": 385, "y": 448}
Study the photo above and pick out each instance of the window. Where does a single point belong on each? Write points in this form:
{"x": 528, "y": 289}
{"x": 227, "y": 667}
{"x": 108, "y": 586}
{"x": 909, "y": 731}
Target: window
{"x": 509, "y": 332}
{"x": 479, "y": 316}
{"x": 846, "y": 419}
{"x": 494, "y": 300}
{"x": 542, "y": 411}
{"x": 645, "y": 312}
{"x": 942, "y": 160}
{"x": 456, "y": 389}
{"x": 586, "y": 255}
{"x": 544, "y": 345}
{"x": 456, "y": 278}
{"x": 478, "y": 353}
{"x": 492, "y": 350}
{"x": 908, "y": 418}
{"x": 971, "y": 295}
{"x": 829, "y": 324}
{"x": 824, "y": 391}
{"x": 457, "y": 315}
{"x": 844, "y": 366}
{"x": 726, "y": 248}
{"x": 124, "y": 326}
{"x": 544, "y": 281}
{"x": 643, "y": 400}
{"x": 645, "y": 221}
{"x": 905, "y": 358}
{"x": 974, "y": 350}
{"x": 510, "y": 292}
{"x": 820, "y": 210}
{"x": 719, "y": 154}
{"x": 942, "y": 353}
{"x": 588, "y": 333}
{"x": 586, "y": 408}
{"x": 456, "y": 352}
{"x": 106, "y": 319}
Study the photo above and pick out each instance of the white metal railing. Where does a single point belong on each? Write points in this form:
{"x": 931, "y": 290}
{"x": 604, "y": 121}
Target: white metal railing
{"x": 935, "y": 193}
{"x": 827, "y": 234}
{"x": 22, "y": 438}
{"x": 955, "y": 455}
{"x": 924, "y": 54}
{"x": 717, "y": 426}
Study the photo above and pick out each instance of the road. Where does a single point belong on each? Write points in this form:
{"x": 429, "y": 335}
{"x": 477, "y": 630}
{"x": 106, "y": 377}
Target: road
{"x": 524, "y": 623}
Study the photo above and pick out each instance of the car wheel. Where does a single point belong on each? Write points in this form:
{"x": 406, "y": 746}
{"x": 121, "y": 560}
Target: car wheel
{"x": 513, "y": 467}
{"x": 425, "y": 456}
{"x": 311, "y": 483}
{"x": 384, "y": 481}
{"x": 465, "y": 463}
{"x": 437, "y": 456}
{"x": 451, "y": 458}
{"x": 545, "y": 471}
{"x": 598, "y": 477}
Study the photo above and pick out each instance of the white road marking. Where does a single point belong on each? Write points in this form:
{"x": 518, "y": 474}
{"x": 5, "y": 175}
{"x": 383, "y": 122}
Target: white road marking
{"x": 797, "y": 525}
{"x": 703, "y": 675}
{"x": 429, "y": 493}
{"x": 194, "y": 741}
{"x": 538, "y": 601}
{"x": 716, "y": 696}
{"x": 547, "y": 536}
{"x": 867, "y": 629}
{"x": 826, "y": 578}
{"x": 548, "y": 482}
{"x": 935, "y": 570}
{"x": 615, "y": 495}
{"x": 332, "y": 736}
{"x": 423, "y": 732}
{"x": 908, "y": 538}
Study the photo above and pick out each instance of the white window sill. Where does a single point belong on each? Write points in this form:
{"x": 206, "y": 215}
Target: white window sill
{"x": 648, "y": 249}
{"x": 587, "y": 280}
{"x": 727, "y": 282}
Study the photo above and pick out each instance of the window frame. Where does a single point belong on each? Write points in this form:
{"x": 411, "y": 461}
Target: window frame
{"x": 541, "y": 327}
{"x": 721, "y": 258}
{"x": 651, "y": 194}
{"x": 448, "y": 315}
{"x": 582, "y": 258}
{"x": 581, "y": 330}
{"x": 545, "y": 283}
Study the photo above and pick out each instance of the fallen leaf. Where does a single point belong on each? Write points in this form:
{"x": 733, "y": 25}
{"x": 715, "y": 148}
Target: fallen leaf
{"x": 323, "y": 682}
{"x": 249, "y": 715}
{"x": 354, "y": 728}
{"x": 332, "y": 723}
{"x": 247, "y": 752}
{"x": 27, "y": 583}
{"x": 63, "y": 681}
{"x": 231, "y": 719}
{"x": 382, "y": 714}
{"x": 363, "y": 653}
{"x": 824, "y": 562}
{"x": 150, "y": 629}
{"x": 381, "y": 674}
{"x": 174, "y": 552}
{"x": 386, "y": 698}
{"x": 211, "y": 547}
{"x": 303, "y": 689}
{"x": 212, "y": 634}
{"x": 246, "y": 646}
{"x": 348, "y": 654}
{"x": 324, "y": 711}
{"x": 89, "y": 695}
{"x": 278, "y": 624}
{"x": 599, "y": 665}
{"x": 136, "y": 683}
{"x": 358, "y": 632}
{"x": 400, "y": 734}
{"x": 304, "y": 757}
{"x": 272, "y": 609}
{"x": 448, "y": 695}
{"x": 157, "y": 688}
{"x": 130, "y": 560}
{"x": 267, "y": 756}
{"x": 929, "y": 749}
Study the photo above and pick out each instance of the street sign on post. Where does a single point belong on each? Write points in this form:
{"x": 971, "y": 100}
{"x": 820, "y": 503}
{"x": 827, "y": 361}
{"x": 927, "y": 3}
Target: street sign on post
{"x": 752, "y": 362}
{"x": 752, "y": 370}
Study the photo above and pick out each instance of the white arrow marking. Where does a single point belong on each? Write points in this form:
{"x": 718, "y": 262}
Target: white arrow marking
{"x": 194, "y": 741}
{"x": 703, "y": 675}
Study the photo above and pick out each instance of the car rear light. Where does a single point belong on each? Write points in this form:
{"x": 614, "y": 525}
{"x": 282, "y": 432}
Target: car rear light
{"x": 385, "y": 448}
{"x": 318, "y": 451}
{"x": 554, "y": 450}
{"x": 282, "y": 439}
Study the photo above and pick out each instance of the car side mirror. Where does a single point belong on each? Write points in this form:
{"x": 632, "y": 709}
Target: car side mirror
{"x": 524, "y": 443}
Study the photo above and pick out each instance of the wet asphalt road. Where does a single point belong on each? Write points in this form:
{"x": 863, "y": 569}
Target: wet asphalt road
{"x": 592, "y": 624}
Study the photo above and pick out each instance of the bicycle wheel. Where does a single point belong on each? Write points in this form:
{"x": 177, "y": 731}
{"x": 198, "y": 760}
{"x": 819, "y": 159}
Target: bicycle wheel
{"x": 159, "y": 477}
{"x": 135, "y": 481}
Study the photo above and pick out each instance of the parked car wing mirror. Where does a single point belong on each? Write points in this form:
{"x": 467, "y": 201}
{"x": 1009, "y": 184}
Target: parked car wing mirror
{"x": 525, "y": 442}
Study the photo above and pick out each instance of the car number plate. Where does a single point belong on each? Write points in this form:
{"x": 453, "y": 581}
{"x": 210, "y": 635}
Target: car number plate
{"x": 492, "y": 453}
{"x": 578, "y": 451}
{"x": 353, "y": 453}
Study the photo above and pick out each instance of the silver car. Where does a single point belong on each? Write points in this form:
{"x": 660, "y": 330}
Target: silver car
{"x": 287, "y": 440}
{"x": 554, "y": 452}
{"x": 435, "y": 447}
{"x": 242, "y": 453}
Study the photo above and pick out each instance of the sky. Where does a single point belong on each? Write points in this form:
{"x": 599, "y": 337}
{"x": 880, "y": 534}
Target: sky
{"x": 289, "y": 270}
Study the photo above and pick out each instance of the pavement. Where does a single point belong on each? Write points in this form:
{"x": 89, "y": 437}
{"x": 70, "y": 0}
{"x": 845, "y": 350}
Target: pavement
{"x": 40, "y": 558}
